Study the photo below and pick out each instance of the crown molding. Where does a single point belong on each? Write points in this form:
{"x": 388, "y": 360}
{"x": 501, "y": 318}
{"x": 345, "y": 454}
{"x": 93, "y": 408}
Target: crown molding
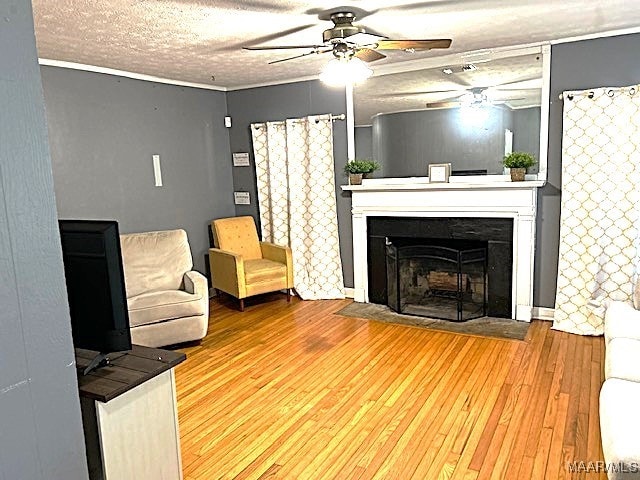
{"x": 593, "y": 36}
{"x": 276, "y": 82}
{"x": 122, "y": 73}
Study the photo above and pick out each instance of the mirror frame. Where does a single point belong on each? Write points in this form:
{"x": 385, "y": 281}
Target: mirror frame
{"x": 503, "y": 52}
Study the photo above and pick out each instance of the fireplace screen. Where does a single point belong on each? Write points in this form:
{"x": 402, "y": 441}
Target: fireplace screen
{"x": 439, "y": 279}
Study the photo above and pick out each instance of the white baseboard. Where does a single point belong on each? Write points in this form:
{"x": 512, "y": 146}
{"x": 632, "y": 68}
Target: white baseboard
{"x": 543, "y": 313}
{"x": 349, "y": 292}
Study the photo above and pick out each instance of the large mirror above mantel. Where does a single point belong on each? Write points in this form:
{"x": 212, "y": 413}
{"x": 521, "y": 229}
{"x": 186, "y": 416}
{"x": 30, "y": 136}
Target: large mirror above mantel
{"x": 464, "y": 109}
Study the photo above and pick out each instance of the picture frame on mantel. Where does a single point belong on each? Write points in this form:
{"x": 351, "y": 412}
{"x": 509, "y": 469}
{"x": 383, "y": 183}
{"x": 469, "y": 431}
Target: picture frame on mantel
{"x": 439, "y": 172}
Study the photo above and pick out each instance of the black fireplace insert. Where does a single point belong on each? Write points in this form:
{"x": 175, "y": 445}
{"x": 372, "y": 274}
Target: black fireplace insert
{"x": 437, "y": 279}
{"x": 494, "y": 234}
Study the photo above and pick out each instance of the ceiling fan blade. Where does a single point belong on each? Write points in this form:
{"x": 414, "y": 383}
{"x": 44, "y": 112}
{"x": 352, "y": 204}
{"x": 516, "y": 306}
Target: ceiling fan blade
{"x": 531, "y": 84}
{"x": 443, "y": 104}
{"x": 276, "y": 35}
{"x": 413, "y": 44}
{"x": 282, "y": 47}
{"x": 313, "y": 52}
{"x": 433, "y": 6}
{"x": 369, "y": 55}
{"x": 257, "y": 5}
{"x": 409, "y": 94}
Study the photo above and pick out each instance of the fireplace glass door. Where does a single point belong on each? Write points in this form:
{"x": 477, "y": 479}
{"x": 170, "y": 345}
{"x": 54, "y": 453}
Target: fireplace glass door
{"x": 437, "y": 279}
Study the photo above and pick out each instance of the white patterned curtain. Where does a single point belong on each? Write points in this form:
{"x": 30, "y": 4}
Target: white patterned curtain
{"x": 297, "y": 198}
{"x": 600, "y": 205}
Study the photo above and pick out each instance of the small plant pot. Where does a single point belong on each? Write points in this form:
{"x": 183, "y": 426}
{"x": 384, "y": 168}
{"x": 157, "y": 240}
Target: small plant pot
{"x": 517, "y": 174}
{"x": 355, "y": 179}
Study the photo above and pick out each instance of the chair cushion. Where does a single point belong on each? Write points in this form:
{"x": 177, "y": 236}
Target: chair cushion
{"x": 263, "y": 270}
{"x": 622, "y": 359}
{"x": 153, "y": 307}
{"x": 237, "y": 235}
{"x": 155, "y": 261}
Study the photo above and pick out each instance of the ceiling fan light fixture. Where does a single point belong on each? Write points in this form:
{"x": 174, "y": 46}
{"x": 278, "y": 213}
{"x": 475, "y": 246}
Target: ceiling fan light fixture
{"x": 345, "y": 71}
{"x": 363, "y": 38}
{"x": 475, "y": 99}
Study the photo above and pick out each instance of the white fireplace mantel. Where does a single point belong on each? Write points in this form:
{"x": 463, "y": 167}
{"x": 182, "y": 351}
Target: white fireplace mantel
{"x": 416, "y": 197}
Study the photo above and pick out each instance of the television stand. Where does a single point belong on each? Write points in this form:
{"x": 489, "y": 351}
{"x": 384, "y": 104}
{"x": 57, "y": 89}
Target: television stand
{"x": 129, "y": 415}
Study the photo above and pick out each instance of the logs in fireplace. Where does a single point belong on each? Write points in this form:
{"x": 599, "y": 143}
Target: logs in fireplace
{"x": 444, "y": 279}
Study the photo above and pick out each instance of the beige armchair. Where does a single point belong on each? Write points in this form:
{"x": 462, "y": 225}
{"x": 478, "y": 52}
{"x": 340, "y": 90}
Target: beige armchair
{"x": 168, "y": 301}
{"x": 242, "y": 265}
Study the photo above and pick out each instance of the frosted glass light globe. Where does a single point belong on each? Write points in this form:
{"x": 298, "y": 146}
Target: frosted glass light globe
{"x": 341, "y": 72}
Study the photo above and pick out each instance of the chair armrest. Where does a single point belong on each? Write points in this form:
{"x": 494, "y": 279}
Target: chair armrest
{"x": 281, "y": 254}
{"x": 227, "y": 272}
{"x": 195, "y": 283}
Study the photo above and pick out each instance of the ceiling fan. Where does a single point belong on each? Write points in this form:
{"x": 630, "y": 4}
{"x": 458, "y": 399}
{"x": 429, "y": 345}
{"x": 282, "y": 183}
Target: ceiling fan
{"x": 346, "y": 40}
{"x": 477, "y": 96}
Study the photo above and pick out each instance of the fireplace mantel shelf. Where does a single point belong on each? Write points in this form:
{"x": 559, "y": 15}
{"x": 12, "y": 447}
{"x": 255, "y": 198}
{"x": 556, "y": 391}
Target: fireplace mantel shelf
{"x": 376, "y": 185}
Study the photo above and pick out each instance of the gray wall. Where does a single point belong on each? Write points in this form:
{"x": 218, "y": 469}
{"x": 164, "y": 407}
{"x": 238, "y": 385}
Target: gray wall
{"x": 526, "y": 133}
{"x": 574, "y": 66}
{"x": 291, "y": 100}
{"x": 40, "y": 425}
{"x": 364, "y": 142}
{"x": 104, "y": 130}
{"x": 406, "y": 143}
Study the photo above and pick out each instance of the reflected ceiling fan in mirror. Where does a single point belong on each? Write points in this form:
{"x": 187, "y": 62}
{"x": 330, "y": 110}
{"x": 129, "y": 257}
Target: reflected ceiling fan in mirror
{"x": 351, "y": 45}
{"x": 479, "y": 96}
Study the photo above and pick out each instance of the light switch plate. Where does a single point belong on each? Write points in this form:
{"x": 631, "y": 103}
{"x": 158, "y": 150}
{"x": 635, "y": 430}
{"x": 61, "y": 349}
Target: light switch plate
{"x": 242, "y": 198}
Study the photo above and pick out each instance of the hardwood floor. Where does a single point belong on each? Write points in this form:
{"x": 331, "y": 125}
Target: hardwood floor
{"x": 295, "y": 391}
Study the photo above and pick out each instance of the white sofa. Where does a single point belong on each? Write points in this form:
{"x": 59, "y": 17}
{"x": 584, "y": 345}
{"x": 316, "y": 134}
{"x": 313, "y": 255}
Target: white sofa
{"x": 620, "y": 394}
{"x": 168, "y": 302}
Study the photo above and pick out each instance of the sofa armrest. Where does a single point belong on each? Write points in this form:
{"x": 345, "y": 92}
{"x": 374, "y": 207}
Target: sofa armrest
{"x": 278, "y": 253}
{"x": 621, "y": 320}
{"x": 227, "y": 272}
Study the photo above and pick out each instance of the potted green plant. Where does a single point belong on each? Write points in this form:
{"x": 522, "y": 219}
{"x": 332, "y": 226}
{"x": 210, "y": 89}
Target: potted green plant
{"x": 517, "y": 163}
{"x": 357, "y": 168}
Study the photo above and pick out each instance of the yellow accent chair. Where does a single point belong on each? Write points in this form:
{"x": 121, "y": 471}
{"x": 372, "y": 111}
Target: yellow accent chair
{"x": 242, "y": 265}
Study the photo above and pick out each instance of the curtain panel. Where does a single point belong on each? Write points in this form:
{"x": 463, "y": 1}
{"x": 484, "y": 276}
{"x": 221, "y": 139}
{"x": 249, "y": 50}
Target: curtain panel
{"x": 297, "y": 200}
{"x": 600, "y": 206}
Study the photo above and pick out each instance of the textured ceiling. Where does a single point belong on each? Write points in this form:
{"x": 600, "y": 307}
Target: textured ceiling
{"x": 193, "y": 40}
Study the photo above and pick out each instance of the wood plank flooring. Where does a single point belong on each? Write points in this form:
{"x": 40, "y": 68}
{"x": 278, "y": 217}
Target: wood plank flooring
{"x": 294, "y": 391}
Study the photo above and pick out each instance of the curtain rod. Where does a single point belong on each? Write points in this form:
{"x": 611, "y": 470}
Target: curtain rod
{"x": 332, "y": 117}
{"x": 610, "y": 92}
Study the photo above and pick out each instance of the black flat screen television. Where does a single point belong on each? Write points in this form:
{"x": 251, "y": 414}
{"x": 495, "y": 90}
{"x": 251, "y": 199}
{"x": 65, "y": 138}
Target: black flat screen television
{"x": 95, "y": 287}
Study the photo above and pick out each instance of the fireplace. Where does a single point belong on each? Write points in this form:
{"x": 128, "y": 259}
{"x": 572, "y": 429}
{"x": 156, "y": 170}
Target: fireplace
{"x": 487, "y": 240}
{"x": 437, "y": 279}
{"x": 495, "y": 210}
